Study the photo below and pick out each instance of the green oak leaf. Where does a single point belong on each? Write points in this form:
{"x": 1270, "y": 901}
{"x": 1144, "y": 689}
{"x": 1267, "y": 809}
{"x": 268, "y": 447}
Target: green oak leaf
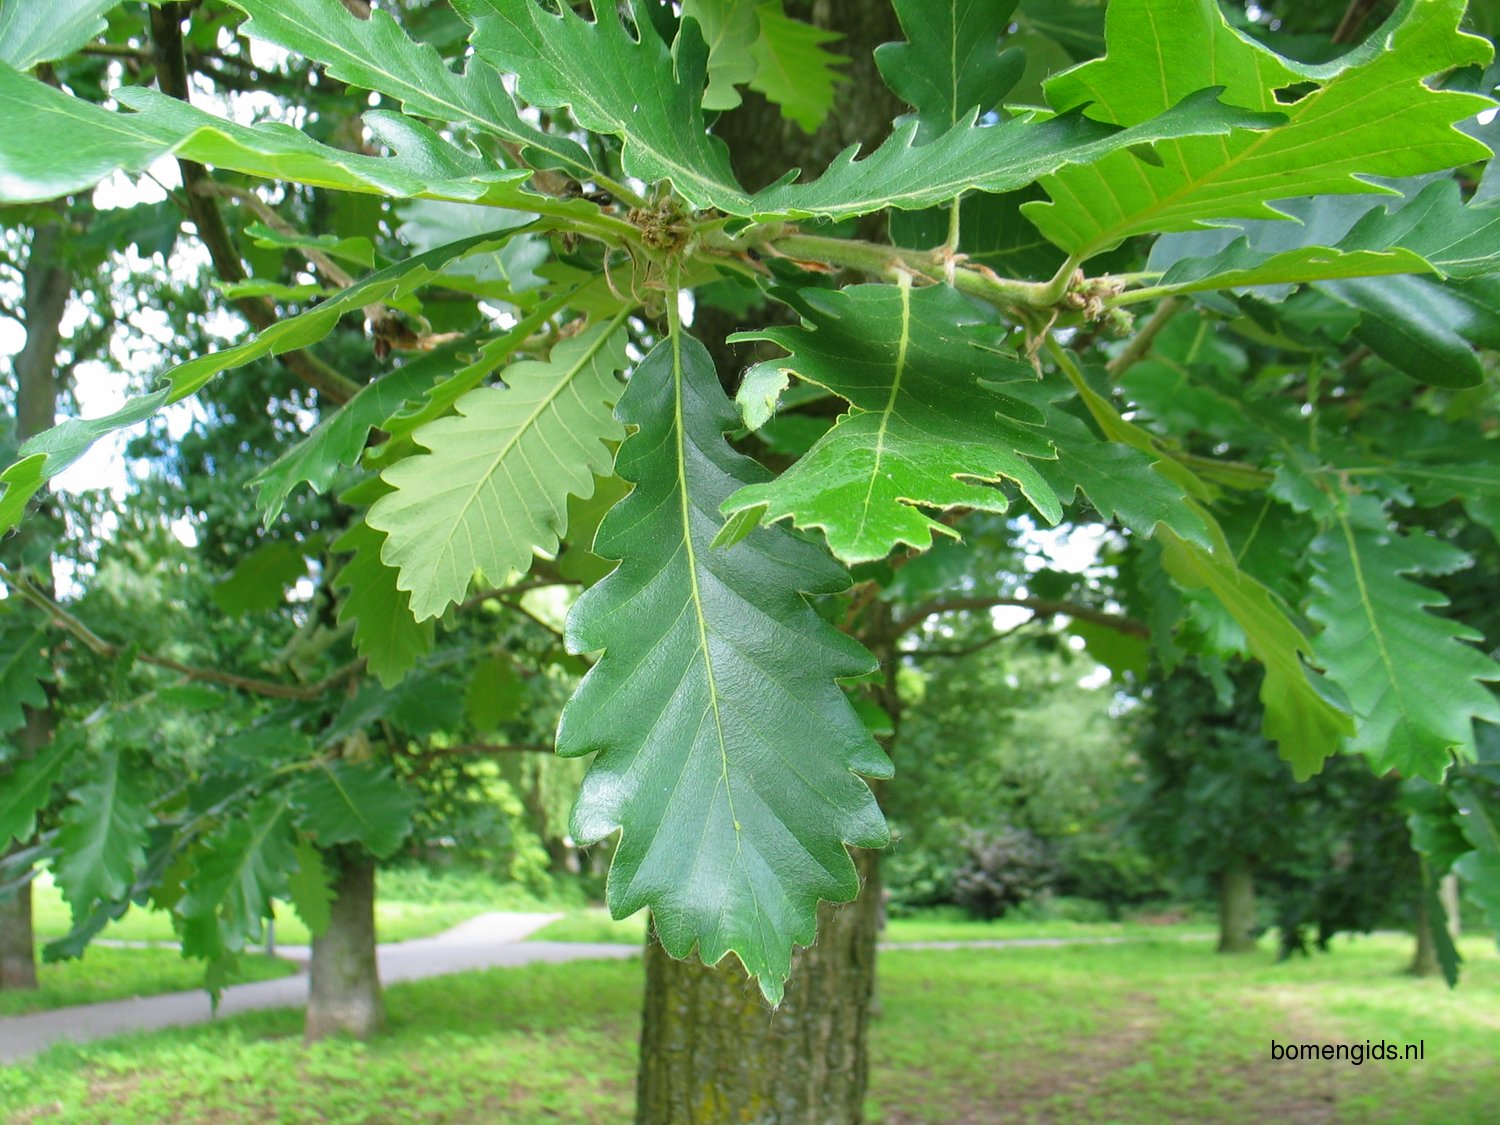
{"x": 729, "y": 27}
{"x": 236, "y": 873}
{"x": 103, "y": 836}
{"x": 1334, "y": 137}
{"x": 1415, "y": 685}
{"x": 951, "y": 62}
{"x": 794, "y": 69}
{"x": 495, "y": 486}
{"x": 28, "y": 787}
{"x": 260, "y": 579}
{"x": 52, "y": 451}
{"x": 348, "y": 803}
{"x": 59, "y": 144}
{"x": 1300, "y": 714}
{"x": 338, "y": 440}
{"x": 972, "y": 157}
{"x": 924, "y": 428}
{"x": 724, "y": 746}
{"x": 376, "y": 54}
{"x": 39, "y": 31}
{"x": 24, "y": 666}
{"x": 634, "y": 88}
{"x": 385, "y": 633}
{"x": 650, "y": 97}
{"x": 310, "y": 887}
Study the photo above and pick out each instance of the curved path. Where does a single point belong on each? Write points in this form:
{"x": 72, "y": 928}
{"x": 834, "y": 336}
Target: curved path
{"x": 487, "y": 941}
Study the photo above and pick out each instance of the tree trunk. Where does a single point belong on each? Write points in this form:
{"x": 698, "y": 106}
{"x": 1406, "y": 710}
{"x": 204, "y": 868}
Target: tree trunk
{"x": 17, "y": 945}
{"x": 1237, "y": 920}
{"x": 344, "y": 990}
{"x": 49, "y": 285}
{"x": 1424, "y": 959}
{"x": 712, "y": 1052}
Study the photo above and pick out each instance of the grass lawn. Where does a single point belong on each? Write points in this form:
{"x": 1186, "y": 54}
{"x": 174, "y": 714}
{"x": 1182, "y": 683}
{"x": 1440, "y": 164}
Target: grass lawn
{"x": 593, "y": 924}
{"x": 1144, "y": 1032}
{"x": 113, "y": 974}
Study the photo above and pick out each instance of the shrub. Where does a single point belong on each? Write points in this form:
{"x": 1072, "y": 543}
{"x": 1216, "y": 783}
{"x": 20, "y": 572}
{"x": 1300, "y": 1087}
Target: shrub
{"x": 1001, "y": 869}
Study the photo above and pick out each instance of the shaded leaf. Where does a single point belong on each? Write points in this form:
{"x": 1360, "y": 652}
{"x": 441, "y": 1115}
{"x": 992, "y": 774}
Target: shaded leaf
{"x": 236, "y": 873}
{"x": 385, "y": 633}
{"x": 925, "y": 429}
{"x": 310, "y": 887}
{"x": 725, "y": 748}
{"x": 24, "y": 667}
{"x": 345, "y": 803}
{"x": 951, "y": 62}
{"x": 28, "y": 787}
{"x": 260, "y": 581}
{"x": 39, "y": 31}
{"x": 103, "y": 835}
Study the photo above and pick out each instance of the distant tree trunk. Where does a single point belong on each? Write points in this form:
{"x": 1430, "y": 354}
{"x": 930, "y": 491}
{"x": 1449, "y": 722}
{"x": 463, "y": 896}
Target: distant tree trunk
{"x": 49, "y": 285}
{"x": 344, "y": 990}
{"x": 17, "y": 944}
{"x": 1424, "y": 959}
{"x": 712, "y": 1052}
{"x": 1237, "y": 920}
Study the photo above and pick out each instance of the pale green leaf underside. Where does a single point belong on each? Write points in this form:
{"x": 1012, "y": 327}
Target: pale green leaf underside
{"x": 725, "y": 747}
{"x": 923, "y": 430}
{"x": 495, "y": 486}
{"x": 1369, "y": 115}
{"x": 1414, "y": 679}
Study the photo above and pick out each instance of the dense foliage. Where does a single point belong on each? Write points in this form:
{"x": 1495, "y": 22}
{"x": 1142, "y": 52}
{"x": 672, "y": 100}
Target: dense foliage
{"x": 541, "y": 208}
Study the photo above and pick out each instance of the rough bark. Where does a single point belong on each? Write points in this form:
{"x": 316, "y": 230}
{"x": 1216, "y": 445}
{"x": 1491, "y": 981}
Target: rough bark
{"x": 344, "y": 989}
{"x": 17, "y": 944}
{"x": 49, "y": 285}
{"x": 712, "y": 1052}
{"x": 1237, "y": 919}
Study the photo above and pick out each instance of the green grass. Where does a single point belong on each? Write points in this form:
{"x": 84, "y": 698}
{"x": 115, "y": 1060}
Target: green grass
{"x": 1144, "y": 1032}
{"x": 593, "y": 924}
{"x": 411, "y": 904}
{"x": 113, "y": 974}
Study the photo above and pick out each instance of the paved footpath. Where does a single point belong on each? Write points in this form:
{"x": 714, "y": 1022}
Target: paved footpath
{"x": 488, "y": 941}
